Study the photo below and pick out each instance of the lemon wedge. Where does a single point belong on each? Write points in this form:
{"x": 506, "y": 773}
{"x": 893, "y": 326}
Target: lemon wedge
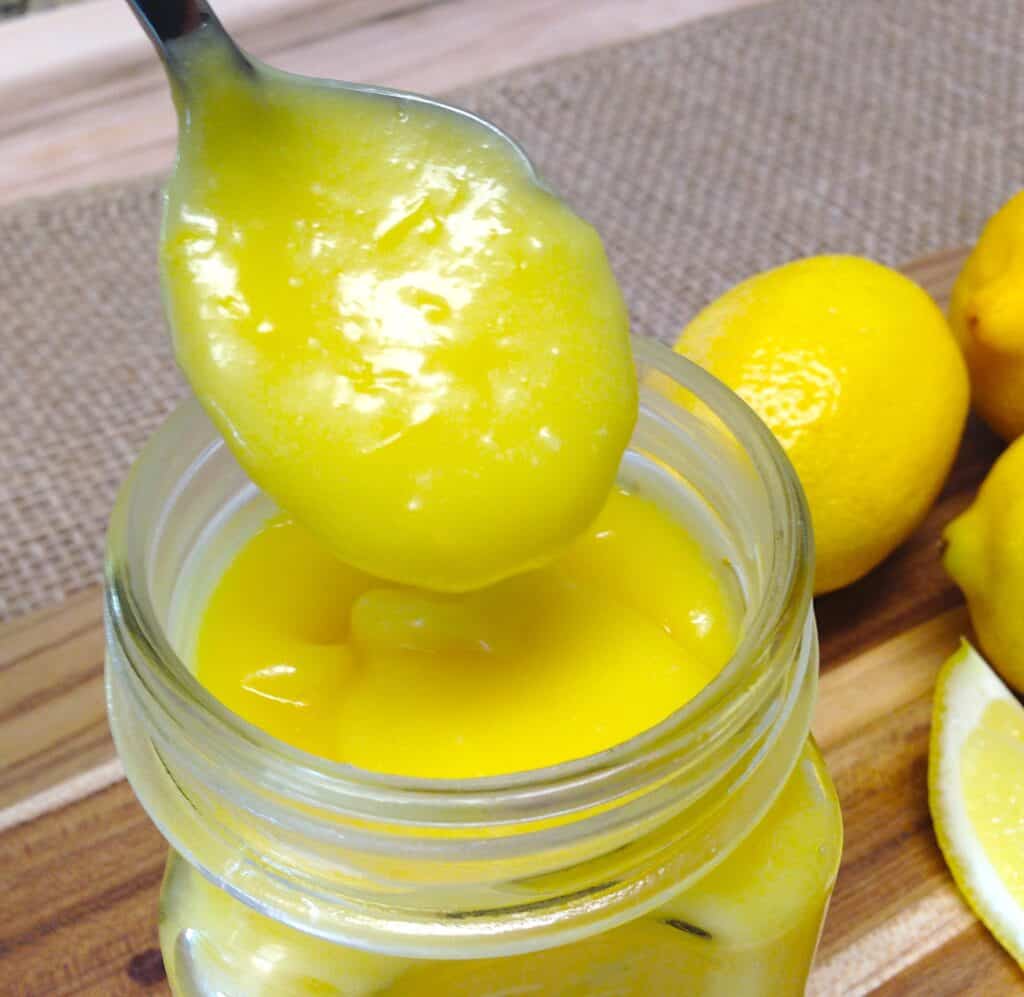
{"x": 976, "y": 792}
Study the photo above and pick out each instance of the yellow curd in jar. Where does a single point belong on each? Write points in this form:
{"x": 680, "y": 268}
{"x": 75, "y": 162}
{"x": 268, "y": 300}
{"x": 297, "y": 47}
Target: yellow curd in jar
{"x": 603, "y": 643}
{"x": 748, "y": 928}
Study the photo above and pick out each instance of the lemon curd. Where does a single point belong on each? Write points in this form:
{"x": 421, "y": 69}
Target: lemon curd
{"x": 747, "y": 929}
{"x": 601, "y": 644}
{"x": 565, "y": 661}
{"x": 415, "y": 349}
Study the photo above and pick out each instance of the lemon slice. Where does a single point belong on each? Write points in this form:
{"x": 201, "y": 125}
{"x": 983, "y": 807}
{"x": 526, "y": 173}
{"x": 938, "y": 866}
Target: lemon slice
{"x": 976, "y": 792}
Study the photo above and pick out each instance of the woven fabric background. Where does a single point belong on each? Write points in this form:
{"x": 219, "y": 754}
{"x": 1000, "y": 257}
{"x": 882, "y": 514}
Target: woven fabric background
{"x": 703, "y": 155}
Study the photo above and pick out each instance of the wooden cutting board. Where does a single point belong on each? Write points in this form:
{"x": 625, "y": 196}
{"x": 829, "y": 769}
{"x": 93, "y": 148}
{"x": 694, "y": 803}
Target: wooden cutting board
{"x": 80, "y": 864}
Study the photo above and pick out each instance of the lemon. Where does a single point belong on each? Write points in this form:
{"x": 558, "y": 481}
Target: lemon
{"x": 976, "y": 792}
{"x": 854, "y": 369}
{"x": 987, "y": 315}
{"x": 985, "y": 556}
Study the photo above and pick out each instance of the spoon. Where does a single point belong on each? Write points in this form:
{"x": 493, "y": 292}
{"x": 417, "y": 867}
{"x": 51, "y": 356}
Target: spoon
{"x": 170, "y": 23}
{"x": 407, "y": 341}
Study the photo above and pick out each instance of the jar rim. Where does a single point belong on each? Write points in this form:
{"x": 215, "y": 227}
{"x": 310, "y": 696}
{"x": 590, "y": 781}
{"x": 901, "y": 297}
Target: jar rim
{"x": 575, "y": 784}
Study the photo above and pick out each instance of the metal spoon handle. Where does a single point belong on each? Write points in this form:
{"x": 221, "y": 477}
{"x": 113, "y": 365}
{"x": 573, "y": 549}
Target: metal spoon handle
{"x": 165, "y": 21}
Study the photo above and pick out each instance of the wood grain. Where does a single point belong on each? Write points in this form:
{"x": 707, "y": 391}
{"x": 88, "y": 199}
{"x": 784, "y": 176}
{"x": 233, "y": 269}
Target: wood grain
{"x": 52, "y": 717}
{"x": 81, "y": 863}
{"x": 80, "y": 900}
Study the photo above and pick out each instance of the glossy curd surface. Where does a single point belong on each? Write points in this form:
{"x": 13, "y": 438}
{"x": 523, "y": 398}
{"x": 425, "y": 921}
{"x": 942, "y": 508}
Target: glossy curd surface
{"x": 630, "y": 623}
{"x": 421, "y": 354}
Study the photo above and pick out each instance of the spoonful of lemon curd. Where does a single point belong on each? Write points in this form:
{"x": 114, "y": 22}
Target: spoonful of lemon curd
{"x": 408, "y": 342}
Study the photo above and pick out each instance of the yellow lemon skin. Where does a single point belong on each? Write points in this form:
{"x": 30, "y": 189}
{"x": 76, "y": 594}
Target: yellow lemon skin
{"x": 987, "y": 315}
{"x": 985, "y": 557}
{"x": 854, "y": 369}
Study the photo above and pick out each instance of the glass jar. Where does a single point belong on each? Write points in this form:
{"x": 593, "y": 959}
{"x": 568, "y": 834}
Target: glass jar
{"x": 696, "y": 858}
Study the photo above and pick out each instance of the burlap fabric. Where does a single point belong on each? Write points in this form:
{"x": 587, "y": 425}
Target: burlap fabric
{"x": 703, "y": 154}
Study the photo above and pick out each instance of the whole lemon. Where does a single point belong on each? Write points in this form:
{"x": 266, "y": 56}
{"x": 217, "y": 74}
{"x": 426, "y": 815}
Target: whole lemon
{"x": 985, "y": 556}
{"x": 987, "y": 316}
{"x": 854, "y": 369}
